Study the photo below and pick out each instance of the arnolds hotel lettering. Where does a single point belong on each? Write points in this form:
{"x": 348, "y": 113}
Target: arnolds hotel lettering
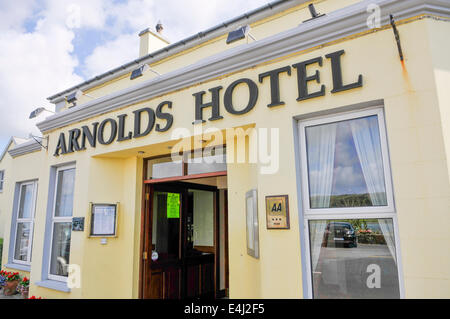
{"x": 96, "y": 133}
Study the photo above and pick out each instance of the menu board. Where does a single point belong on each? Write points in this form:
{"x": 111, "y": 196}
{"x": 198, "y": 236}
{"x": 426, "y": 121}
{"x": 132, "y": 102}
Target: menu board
{"x": 173, "y": 205}
{"x": 103, "y": 220}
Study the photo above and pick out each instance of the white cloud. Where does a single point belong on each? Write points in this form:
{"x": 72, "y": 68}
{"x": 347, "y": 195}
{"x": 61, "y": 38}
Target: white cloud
{"x": 35, "y": 64}
{"x": 32, "y": 67}
{"x": 123, "y": 49}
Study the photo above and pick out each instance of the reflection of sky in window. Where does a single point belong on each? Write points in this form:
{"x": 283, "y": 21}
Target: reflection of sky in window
{"x": 348, "y": 177}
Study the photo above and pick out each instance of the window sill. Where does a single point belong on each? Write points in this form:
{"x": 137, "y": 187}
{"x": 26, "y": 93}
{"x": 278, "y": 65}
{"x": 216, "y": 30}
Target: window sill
{"x": 18, "y": 267}
{"x": 53, "y": 284}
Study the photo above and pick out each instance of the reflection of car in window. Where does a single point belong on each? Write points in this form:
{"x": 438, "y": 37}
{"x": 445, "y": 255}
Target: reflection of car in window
{"x": 339, "y": 234}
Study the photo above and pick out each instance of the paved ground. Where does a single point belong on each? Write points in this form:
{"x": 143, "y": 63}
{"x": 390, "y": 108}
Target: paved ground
{"x": 16, "y": 296}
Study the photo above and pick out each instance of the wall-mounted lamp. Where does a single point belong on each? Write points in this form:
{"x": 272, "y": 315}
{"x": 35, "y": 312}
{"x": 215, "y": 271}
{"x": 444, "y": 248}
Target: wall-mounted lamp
{"x": 38, "y": 111}
{"x": 240, "y": 34}
{"x": 141, "y": 70}
{"x": 313, "y": 12}
{"x": 72, "y": 98}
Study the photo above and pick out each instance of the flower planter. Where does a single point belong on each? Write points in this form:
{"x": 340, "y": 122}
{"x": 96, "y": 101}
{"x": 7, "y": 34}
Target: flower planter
{"x": 10, "y": 288}
{"x": 24, "y": 293}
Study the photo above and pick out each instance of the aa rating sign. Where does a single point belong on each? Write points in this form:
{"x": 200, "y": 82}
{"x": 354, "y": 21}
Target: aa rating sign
{"x": 277, "y": 212}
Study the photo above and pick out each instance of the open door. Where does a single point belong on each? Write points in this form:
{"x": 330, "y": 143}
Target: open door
{"x": 181, "y": 242}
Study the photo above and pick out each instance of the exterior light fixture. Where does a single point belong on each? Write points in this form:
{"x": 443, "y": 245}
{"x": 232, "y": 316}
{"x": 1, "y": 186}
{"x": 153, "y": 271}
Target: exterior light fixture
{"x": 38, "y": 111}
{"x": 141, "y": 70}
{"x": 313, "y": 12}
{"x": 72, "y": 98}
{"x": 240, "y": 34}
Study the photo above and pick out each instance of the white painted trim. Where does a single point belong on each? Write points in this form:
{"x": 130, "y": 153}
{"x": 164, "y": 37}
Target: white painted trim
{"x": 336, "y": 25}
{"x": 25, "y": 220}
{"x": 15, "y": 141}
{"x": 29, "y": 146}
{"x": 53, "y": 284}
{"x": 57, "y": 220}
{"x": 386, "y": 164}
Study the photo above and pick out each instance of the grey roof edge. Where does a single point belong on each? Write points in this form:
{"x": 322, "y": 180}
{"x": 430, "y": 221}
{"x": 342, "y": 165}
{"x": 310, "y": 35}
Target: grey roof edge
{"x": 13, "y": 139}
{"x": 2, "y": 154}
{"x": 189, "y": 42}
{"x": 29, "y": 146}
{"x": 335, "y": 25}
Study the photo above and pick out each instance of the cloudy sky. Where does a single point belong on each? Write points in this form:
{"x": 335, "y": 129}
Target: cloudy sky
{"x": 49, "y": 45}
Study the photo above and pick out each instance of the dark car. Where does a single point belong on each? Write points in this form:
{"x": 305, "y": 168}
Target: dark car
{"x": 339, "y": 234}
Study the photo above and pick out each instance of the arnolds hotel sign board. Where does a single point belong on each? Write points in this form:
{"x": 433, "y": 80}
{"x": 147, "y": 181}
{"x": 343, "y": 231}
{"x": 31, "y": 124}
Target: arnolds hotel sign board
{"x": 78, "y": 138}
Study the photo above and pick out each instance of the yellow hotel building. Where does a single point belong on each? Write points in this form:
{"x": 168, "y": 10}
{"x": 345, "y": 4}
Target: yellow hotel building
{"x": 295, "y": 151}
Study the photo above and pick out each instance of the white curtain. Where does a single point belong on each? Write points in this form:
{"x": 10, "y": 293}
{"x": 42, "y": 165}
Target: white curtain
{"x": 368, "y": 146}
{"x": 321, "y": 144}
{"x": 387, "y": 228}
{"x": 321, "y": 141}
{"x": 316, "y": 230}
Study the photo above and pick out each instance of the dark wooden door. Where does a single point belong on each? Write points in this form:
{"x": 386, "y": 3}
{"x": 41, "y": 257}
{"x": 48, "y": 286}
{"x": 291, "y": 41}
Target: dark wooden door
{"x": 179, "y": 271}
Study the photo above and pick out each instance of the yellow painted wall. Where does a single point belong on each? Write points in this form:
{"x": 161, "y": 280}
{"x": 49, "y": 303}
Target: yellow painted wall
{"x": 16, "y": 171}
{"x": 415, "y": 100}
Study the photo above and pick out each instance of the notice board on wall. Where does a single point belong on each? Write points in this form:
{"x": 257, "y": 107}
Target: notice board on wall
{"x": 103, "y": 220}
{"x": 173, "y": 205}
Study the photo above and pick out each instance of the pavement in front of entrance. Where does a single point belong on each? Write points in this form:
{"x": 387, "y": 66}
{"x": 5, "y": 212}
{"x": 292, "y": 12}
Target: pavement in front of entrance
{"x": 16, "y": 296}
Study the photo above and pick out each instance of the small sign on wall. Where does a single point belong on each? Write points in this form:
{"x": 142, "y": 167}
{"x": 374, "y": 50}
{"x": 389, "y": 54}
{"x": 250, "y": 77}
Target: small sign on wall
{"x": 277, "y": 212}
{"x": 78, "y": 224}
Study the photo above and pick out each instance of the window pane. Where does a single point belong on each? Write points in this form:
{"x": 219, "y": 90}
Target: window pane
{"x": 23, "y": 238}
{"x": 207, "y": 164}
{"x": 64, "y": 193}
{"x": 166, "y": 229}
{"x": 345, "y": 164}
{"x": 167, "y": 169}
{"x": 60, "y": 249}
{"x": 26, "y": 201}
{"x": 353, "y": 258}
{"x": 202, "y": 218}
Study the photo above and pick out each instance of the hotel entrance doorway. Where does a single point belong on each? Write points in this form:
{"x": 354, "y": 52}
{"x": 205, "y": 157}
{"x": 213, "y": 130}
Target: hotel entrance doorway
{"x": 185, "y": 239}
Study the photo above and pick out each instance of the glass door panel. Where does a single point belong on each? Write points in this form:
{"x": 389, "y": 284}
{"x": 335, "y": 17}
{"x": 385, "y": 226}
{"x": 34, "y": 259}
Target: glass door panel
{"x": 166, "y": 226}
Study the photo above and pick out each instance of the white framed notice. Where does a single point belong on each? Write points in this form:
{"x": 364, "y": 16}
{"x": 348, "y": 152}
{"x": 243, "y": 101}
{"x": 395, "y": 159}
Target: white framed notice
{"x": 103, "y": 220}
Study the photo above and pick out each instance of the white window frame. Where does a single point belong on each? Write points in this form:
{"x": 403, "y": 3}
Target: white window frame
{"x": 384, "y": 151}
{"x": 55, "y": 219}
{"x": 2, "y": 179}
{"x": 25, "y": 220}
{"x": 379, "y": 212}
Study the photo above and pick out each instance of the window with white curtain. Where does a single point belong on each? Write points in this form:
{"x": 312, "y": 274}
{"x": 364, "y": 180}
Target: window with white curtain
{"x": 2, "y": 180}
{"x": 62, "y": 223}
{"x": 348, "y": 206}
{"x": 24, "y": 223}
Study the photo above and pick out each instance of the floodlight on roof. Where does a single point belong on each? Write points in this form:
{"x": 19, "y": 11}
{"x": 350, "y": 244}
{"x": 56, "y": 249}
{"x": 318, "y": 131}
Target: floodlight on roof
{"x": 313, "y": 12}
{"x": 73, "y": 97}
{"x": 141, "y": 70}
{"x": 239, "y": 34}
{"x": 38, "y": 111}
